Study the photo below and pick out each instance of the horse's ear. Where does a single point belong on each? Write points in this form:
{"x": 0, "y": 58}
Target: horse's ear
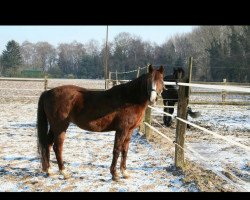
{"x": 161, "y": 69}
{"x": 150, "y": 68}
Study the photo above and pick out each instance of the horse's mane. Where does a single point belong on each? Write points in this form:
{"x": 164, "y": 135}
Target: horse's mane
{"x": 133, "y": 91}
{"x": 172, "y": 76}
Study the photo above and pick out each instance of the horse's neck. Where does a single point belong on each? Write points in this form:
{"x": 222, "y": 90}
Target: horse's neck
{"x": 134, "y": 92}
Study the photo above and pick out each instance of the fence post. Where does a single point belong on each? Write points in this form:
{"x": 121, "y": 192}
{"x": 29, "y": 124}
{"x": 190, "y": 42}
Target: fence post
{"x": 147, "y": 119}
{"x": 109, "y": 80}
{"x": 183, "y": 99}
{"x": 223, "y": 92}
{"x": 138, "y": 72}
{"x": 116, "y": 77}
{"x": 45, "y": 82}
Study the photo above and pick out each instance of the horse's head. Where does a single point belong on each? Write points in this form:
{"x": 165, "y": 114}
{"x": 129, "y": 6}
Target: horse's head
{"x": 155, "y": 84}
{"x": 178, "y": 73}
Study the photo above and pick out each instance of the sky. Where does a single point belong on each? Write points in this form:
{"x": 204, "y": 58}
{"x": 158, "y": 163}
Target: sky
{"x": 66, "y": 34}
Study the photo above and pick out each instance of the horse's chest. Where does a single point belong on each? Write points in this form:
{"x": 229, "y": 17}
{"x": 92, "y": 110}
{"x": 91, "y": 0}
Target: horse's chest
{"x": 131, "y": 117}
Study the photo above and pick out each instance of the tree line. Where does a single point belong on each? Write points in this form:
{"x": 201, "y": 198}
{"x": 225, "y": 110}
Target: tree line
{"x": 218, "y": 52}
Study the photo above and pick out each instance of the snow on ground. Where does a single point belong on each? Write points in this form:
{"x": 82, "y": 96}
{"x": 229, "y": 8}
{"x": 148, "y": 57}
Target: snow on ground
{"x": 218, "y": 97}
{"x": 88, "y": 155}
{"x": 232, "y": 122}
{"x": 226, "y": 117}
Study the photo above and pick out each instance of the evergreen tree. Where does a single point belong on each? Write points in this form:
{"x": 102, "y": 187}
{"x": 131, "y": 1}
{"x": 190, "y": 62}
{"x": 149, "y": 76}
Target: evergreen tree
{"x": 236, "y": 56}
{"x": 245, "y": 42}
{"x": 216, "y": 60}
{"x": 11, "y": 58}
{"x": 87, "y": 67}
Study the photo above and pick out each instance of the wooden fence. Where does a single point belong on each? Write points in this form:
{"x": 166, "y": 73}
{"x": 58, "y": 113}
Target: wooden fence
{"x": 45, "y": 80}
{"x": 183, "y": 101}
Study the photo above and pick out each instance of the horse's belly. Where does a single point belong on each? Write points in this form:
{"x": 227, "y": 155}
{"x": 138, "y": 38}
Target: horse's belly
{"x": 97, "y": 125}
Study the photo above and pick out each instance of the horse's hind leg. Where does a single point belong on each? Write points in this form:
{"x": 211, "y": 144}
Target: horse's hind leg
{"x": 171, "y": 111}
{"x": 165, "y": 117}
{"x": 50, "y": 143}
{"x": 46, "y": 153}
{"x": 58, "y": 149}
{"x": 124, "y": 156}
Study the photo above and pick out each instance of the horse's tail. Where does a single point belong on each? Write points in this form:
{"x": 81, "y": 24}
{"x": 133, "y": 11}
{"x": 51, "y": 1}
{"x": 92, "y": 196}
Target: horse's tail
{"x": 42, "y": 132}
{"x": 193, "y": 114}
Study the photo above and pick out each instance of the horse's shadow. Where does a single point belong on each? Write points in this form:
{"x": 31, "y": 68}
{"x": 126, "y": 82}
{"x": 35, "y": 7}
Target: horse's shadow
{"x": 20, "y": 172}
{"x": 23, "y": 125}
{"x": 142, "y": 167}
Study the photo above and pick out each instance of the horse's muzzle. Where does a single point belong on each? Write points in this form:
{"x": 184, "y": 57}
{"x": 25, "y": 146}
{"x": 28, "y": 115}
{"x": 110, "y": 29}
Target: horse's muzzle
{"x": 154, "y": 96}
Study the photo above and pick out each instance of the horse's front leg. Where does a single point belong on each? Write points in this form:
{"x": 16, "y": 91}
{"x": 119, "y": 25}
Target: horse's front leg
{"x": 119, "y": 139}
{"x": 170, "y": 111}
{"x": 167, "y": 119}
{"x": 124, "y": 157}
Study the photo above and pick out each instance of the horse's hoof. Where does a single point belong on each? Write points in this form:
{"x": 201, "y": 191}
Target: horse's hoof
{"x": 48, "y": 172}
{"x": 65, "y": 174}
{"x": 125, "y": 174}
{"x": 115, "y": 177}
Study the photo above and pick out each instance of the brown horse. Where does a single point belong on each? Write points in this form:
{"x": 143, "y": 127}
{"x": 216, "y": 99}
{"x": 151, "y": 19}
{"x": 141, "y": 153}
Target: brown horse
{"x": 119, "y": 109}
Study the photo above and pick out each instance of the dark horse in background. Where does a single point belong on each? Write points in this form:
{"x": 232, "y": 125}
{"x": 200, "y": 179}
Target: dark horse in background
{"x": 170, "y": 95}
{"x": 118, "y": 109}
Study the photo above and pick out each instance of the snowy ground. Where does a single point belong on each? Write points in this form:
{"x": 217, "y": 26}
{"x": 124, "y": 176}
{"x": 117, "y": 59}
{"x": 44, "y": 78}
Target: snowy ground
{"x": 88, "y": 155}
{"x": 232, "y": 122}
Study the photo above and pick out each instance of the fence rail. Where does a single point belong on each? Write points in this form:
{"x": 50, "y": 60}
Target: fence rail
{"x": 22, "y": 79}
{"x": 203, "y": 129}
{"x": 223, "y": 90}
{"x": 218, "y": 87}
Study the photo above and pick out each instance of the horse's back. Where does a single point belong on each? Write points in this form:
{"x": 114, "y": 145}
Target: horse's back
{"x": 63, "y": 94}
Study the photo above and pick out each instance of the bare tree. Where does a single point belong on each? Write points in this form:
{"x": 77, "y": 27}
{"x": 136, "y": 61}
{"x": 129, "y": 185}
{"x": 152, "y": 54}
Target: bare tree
{"x": 45, "y": 55}
{"x": 70, "y": 56}
{"x": 28, "y": 54}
